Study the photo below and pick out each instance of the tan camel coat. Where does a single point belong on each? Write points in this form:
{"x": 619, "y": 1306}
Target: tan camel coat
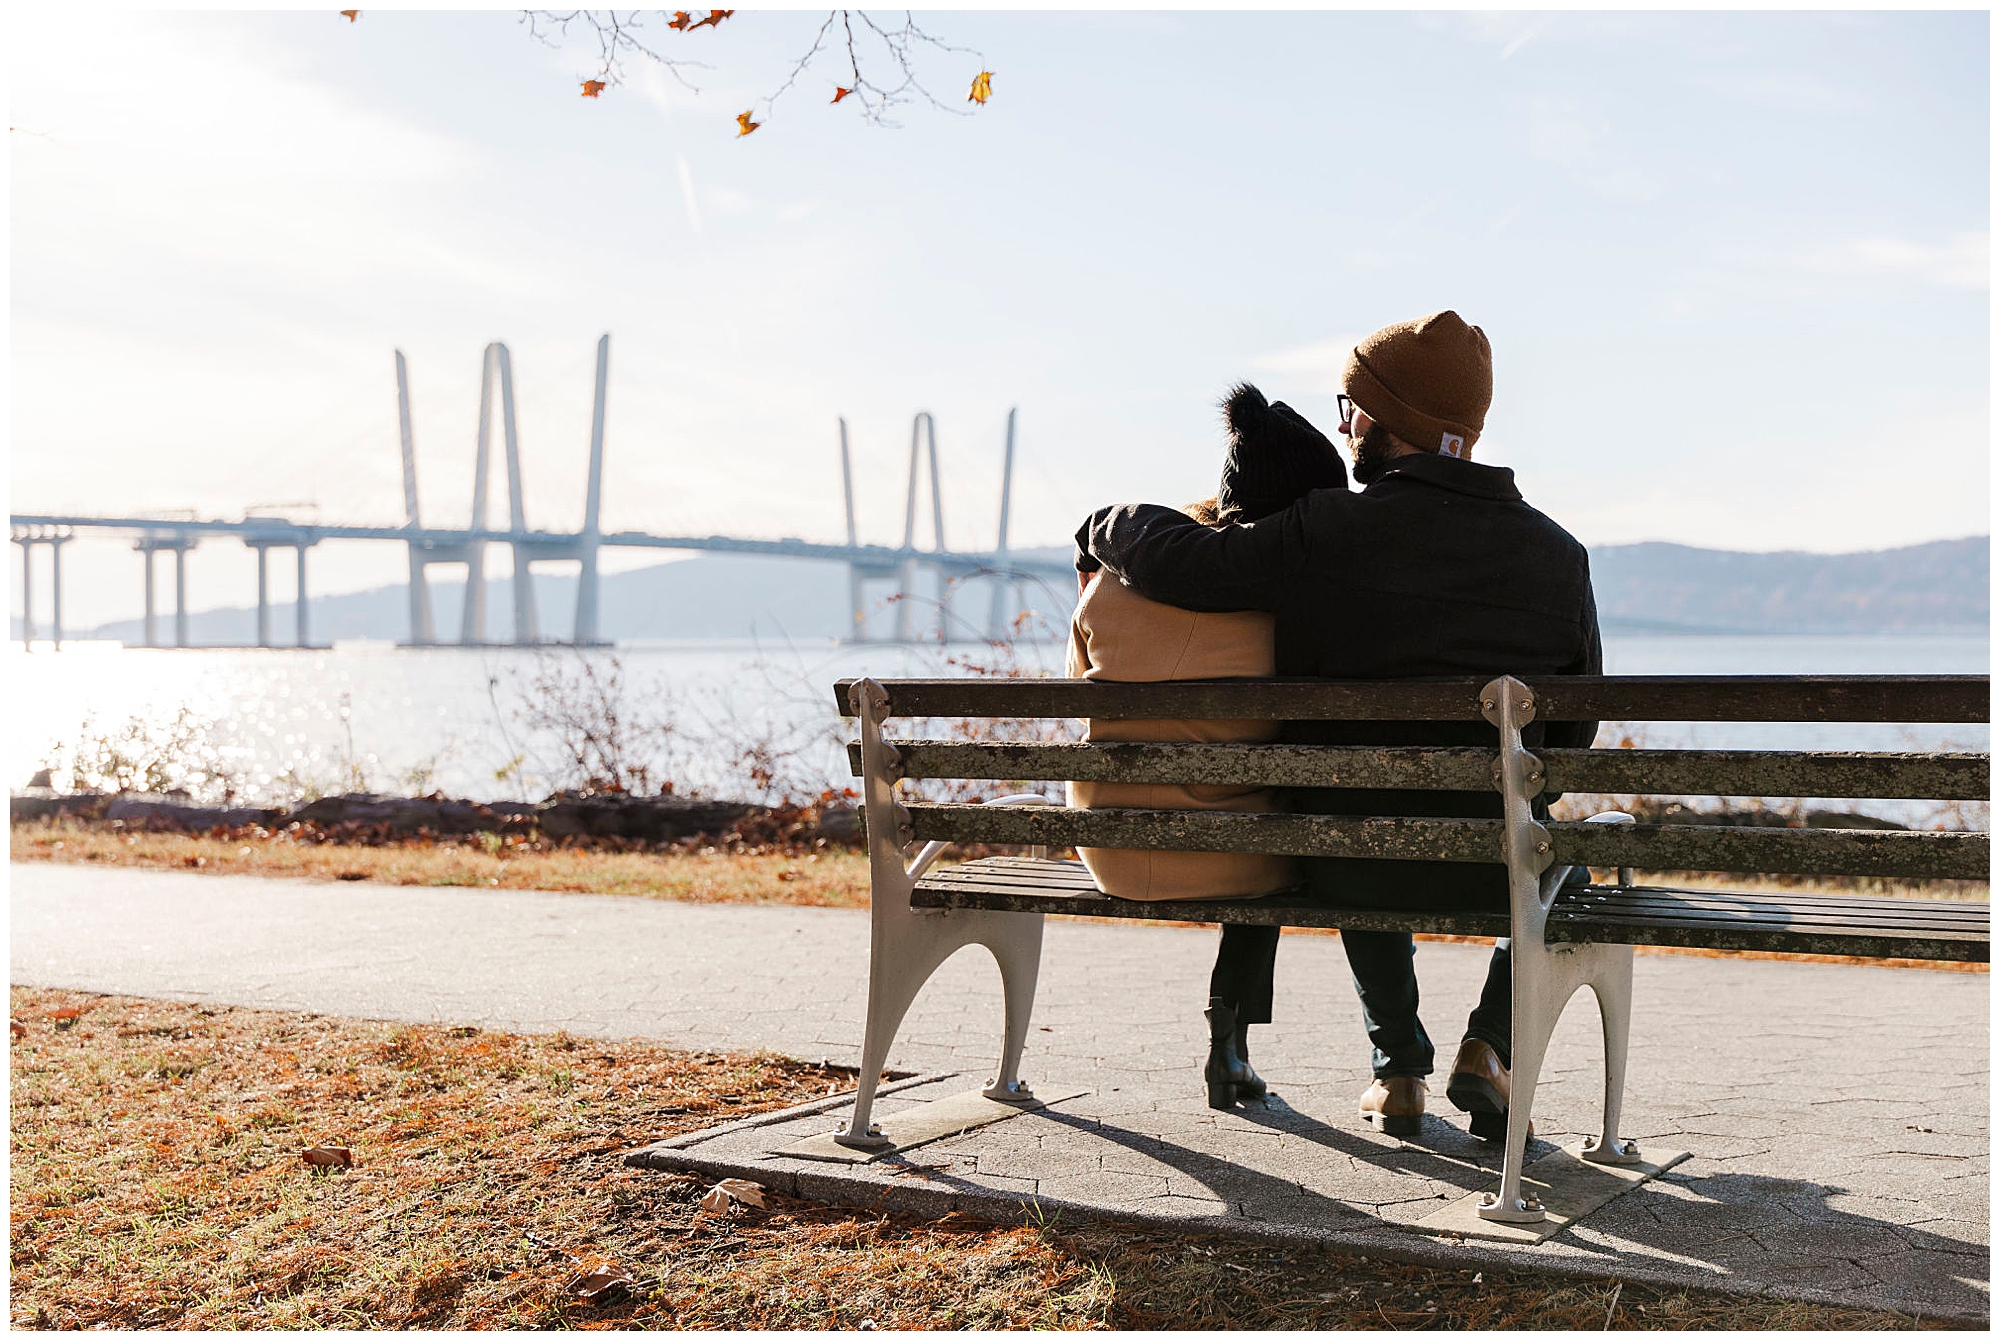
{"x": 1117, "y": 634}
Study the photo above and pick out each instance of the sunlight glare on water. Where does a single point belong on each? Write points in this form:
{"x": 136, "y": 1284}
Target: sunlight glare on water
{"x": 450, "y": 718}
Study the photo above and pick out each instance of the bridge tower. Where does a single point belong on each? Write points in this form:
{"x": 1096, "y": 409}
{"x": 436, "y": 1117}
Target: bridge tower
{"x": 496, "y": 382}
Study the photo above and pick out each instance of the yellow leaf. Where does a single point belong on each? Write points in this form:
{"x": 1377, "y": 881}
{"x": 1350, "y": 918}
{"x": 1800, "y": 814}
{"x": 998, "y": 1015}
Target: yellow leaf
{"x": 744, "y": 125}
{"x": 982, "y": 87}
{"x": 592, "y": 87}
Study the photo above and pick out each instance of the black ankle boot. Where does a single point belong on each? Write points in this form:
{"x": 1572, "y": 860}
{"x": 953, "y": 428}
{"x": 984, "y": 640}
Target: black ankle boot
{"x": 1228, "y": 1072}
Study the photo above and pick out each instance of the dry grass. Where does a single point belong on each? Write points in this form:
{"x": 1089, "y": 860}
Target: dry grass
{"x": 829, "y": 879}
{"x": 156, "y": 1182}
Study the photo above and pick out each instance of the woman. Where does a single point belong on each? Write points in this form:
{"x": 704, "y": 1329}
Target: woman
{"x": 1275, "y": 459}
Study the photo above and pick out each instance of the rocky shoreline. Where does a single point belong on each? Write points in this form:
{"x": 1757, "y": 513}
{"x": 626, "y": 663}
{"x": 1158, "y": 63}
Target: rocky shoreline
{"x": 368, "y": 817}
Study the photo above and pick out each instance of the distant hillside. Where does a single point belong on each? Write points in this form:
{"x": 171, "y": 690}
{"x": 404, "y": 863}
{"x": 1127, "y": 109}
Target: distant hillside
{"x": 1640, "y": 588}
{"x": 1676, "y": 588}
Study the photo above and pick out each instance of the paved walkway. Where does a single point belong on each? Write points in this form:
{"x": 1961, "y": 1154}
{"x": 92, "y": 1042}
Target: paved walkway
{"x": 1837, "y": 1115}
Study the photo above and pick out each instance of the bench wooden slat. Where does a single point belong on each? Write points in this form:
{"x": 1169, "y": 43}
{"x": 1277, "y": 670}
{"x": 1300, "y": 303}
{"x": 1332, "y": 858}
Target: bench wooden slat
{"x": 1705, "y": 926}
{"x": 1442, "y": 768}
{"x": 1825, "y": 906}
{"x": 1942, "y": 776}
{"x": 1700, "y": 919}
{"x": 1211, "y": 831}
{"x": 1655, "y": 847}
{"x": 1650, "y": 698}
{"x": 1027, "y": 885}
{"x": 1689, "y": 847}
{"x": 1009, "y": 875}
{"x": 1909, "y": 776}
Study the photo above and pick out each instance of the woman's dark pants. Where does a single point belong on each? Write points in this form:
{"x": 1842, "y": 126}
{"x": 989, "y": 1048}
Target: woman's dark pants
{"x": 1244, "y": 964}
{"x": 1385, "y": 978}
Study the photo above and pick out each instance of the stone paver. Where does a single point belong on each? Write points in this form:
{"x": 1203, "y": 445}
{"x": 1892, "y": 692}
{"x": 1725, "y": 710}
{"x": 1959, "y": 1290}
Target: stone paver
{"x": 1837, "y": 1116}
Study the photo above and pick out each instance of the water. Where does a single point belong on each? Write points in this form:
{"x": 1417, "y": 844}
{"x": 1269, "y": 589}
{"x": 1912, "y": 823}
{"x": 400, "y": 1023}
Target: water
{"x": 459, "y": 720}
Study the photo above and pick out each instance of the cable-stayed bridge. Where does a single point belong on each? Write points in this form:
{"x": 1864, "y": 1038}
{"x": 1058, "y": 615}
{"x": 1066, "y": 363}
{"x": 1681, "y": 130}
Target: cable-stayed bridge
{"x": 899, "y": 565}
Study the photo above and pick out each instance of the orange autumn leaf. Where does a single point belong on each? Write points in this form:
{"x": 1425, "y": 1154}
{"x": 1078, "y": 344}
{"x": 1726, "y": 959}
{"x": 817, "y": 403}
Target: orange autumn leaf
{"x": 982, "y": 88}
{"x": 715, "y": 16}
{"x": 682, "y": 20}
{"x": 839, "y": 93}
{"x": 350, "y": 14}
{"x": 592, "y": 87}
{"x": 744, "y": 125}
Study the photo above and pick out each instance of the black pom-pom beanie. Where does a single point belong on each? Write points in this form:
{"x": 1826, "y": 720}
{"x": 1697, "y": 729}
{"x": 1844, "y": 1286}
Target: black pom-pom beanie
{"x": 1275, "y": 458}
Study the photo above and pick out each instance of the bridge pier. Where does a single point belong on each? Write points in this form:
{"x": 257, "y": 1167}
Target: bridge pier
{"x": 27, "y": 593}
{"x": 263, "y": 596}
{"x": 301, "y": 604}
{"x": 27, "y": 537}
{"x": 152, "y": 621}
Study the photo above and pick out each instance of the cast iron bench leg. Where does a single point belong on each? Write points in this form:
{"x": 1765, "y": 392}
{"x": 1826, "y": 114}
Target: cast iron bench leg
{"x": 1547, "y": 976}
{"x": 906, "y": 945}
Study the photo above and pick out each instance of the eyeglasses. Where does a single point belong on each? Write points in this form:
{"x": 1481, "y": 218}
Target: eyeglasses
{"x": 1346, "y": 407}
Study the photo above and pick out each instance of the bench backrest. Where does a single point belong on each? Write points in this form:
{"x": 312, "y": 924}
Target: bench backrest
{"x": 1928, "y": 854}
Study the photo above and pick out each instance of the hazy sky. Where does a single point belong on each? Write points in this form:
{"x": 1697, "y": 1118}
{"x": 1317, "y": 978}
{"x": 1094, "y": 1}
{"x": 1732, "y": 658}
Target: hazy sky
{"x": 1734, "y": 267}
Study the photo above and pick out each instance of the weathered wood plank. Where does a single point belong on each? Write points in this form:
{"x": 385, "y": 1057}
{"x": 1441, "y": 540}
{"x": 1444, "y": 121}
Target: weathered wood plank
{"x": 1689, "y": 847}
{"x": 1911, "y": 776}
{"x": 1573, "y": 919}
{"x": 1906, "y": 776}
{"x": 1643, "y": 698}
{"x": 1274, "y": 910}
{"x": 1592, "y": 927}
{"x": 1654, "y": 847}
{"x": 1212, "y": 831}
{"x": 1915, "y": 919}
{"x": 1414, "y": 768}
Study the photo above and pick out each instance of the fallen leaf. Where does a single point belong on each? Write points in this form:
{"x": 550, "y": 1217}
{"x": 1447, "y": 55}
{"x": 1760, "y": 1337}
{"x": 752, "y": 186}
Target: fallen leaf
{"x": 592, "y": 87}
{"x": 839, "y": 93}
{"x": 66, "y": 1013}
{"x": 351, "y": 875}
{"x": 350, "y": 14}
{"x": 595, "y": 1286}
{"x": 744, "y": 125}
{"x": 982, "y": 87}
{"x": 745, "y": 1191}
{"x": 716, "y": 1200}
{"x": 18, "y": 1029}
{"x": 329, "y": 1156}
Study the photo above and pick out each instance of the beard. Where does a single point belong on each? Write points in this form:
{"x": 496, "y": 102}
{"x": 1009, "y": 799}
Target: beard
{"x": 1371, "y": 454}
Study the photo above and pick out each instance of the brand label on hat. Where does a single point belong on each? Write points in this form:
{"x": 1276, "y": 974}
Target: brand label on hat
{"x": 1452, "y": 445}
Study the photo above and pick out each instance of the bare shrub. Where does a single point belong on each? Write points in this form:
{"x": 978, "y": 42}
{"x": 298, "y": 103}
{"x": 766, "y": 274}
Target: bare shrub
{"x": 602, "y": 738}
{"x": 178, "y": 756}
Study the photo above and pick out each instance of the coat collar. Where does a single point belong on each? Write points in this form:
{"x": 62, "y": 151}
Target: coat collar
{"x": 1462, "y": 477}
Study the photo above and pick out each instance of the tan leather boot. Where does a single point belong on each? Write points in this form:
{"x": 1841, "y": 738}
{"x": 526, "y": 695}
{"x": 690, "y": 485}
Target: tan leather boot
{"x": 1479, "y": 1085}
{"x": 1395, "y": 1106}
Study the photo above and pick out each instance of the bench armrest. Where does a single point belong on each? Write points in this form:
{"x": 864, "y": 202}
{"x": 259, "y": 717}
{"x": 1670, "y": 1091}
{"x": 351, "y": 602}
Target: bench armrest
{"x": 932, "y": 850}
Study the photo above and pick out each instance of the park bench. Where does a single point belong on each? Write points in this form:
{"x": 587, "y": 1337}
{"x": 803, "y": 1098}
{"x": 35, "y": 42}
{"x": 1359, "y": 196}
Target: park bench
{"x": 1566, "y": 934}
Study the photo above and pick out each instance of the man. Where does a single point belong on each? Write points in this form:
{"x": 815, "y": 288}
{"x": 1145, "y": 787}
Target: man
{"x": 1436, "y": 568}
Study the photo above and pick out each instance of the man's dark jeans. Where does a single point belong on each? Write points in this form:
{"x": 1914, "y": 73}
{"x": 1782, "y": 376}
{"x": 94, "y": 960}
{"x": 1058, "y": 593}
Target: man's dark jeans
{"x": 1385, "y": 977}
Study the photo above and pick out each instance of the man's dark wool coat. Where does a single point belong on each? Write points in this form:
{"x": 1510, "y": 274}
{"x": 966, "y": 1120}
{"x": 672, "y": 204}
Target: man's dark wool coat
{"x": 1437, "y": 568}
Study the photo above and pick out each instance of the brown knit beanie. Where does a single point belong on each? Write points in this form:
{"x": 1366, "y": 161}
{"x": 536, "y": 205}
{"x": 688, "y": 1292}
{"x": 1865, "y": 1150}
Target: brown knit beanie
{"x": 1428, "y": 381}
